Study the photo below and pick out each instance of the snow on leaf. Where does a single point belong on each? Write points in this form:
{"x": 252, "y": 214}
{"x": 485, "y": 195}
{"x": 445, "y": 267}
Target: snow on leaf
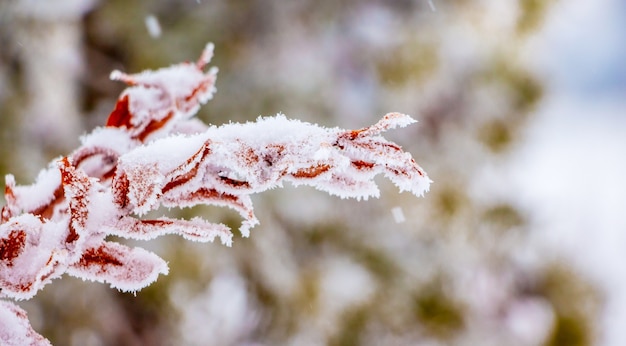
{"x": 224, "y": 165}
{"x": 35, "y": 197}
{"x": 124, "y": 268}
{"x": 99, "y": 151}
{"x": 15, "y": 329}
{"x": 157, "y": 99}
{"x": 195, "y": 229}
{"x": 28, "y": 256}
{"x": 152, "y": 153}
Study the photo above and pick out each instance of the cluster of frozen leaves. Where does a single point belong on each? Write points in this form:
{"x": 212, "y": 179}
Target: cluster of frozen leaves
{"x": 152, "y": 153}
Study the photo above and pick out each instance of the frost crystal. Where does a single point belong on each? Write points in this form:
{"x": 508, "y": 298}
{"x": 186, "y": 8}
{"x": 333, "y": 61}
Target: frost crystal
{"x": 152, "y": 153}
{"x": 15, "y": 329}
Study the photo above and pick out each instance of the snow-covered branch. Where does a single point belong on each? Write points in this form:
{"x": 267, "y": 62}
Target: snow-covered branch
{"x": 153, "y": 153}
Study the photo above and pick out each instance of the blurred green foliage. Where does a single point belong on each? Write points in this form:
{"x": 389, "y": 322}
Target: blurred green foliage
{"x": 575, "y": 301}
{"x": 437, "y": 312}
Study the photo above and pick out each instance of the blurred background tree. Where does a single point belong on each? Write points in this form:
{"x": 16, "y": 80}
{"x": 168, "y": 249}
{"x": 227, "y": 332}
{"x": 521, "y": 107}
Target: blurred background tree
{"x": 465, "y": 267}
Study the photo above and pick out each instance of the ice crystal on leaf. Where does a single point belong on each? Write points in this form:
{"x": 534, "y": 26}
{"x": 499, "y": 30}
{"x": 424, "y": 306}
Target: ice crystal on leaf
{"x": 15, "y": 330}
{"x": 152, "y": 153}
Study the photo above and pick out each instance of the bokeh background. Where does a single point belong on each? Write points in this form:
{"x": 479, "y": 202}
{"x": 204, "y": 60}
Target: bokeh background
{"x": 522, "y": 126}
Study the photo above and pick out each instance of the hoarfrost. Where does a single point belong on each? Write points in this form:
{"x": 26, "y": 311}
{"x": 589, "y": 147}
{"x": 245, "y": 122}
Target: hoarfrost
{"x": 152, "y": 153}
{"x": 15, "y": 329}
